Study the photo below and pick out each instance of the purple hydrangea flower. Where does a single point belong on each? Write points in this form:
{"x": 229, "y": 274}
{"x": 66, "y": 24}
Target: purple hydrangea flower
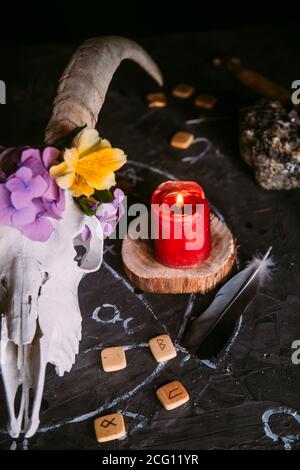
{"x": 39, "y": 164}
{"x": 25, "y": 187}
{"x": 54, "y": 197}
{"x": 54, "y": 200}
{"x": 40, "y": 229}
{"x": 118, "y": 200}
{"x": 29, "y": 197}
{"x": 10, "y": 215}
{"x": 109, "y": 213}
{"x": 86, "y": 233}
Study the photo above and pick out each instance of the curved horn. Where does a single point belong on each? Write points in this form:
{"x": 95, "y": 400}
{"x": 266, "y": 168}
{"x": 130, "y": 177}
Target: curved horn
{"x": 84, "y": 83}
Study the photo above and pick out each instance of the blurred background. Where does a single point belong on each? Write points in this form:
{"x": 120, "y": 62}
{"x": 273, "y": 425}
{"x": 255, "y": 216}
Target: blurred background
{"x": 37, "y": 21}
{"x": 38, "y": 38}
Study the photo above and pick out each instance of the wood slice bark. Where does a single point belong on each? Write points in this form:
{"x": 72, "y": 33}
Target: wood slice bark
{"x": 147, "y": 274}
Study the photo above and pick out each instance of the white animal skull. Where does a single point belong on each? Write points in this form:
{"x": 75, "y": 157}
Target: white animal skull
{"x": 41, "y": 319}
{"x": 40, "y": 315}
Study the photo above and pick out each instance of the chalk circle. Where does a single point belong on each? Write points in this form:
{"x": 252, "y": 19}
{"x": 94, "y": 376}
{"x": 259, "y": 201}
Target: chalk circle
{"x": 287, "y": 440}
{"x": 115, "y": 314}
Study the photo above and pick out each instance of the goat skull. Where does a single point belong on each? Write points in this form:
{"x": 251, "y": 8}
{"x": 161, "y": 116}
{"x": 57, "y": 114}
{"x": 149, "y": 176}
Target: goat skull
{"x": 40, "y": 315}
{"x": 41, "y": 321}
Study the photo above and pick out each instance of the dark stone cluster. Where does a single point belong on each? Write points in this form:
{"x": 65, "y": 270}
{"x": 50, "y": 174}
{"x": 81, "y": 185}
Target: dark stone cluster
{"x": 270, "y": 144}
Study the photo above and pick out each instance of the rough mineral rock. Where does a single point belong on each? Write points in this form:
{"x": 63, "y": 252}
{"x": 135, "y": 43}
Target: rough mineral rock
{"x": 270, "y": 144}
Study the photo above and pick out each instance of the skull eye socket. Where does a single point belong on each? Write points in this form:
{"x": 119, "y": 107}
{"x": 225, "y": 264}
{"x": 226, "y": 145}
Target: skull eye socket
{"x": 80, "y": 252}
{"x": 89, "y": 246}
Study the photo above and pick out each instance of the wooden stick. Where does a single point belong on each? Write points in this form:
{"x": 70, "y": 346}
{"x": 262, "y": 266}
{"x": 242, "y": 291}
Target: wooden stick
{"x": 263, "y": 85}
{"x": 254, "y": 80}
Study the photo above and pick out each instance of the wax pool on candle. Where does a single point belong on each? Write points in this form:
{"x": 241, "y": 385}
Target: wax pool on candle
{"x": 181, "y": 217}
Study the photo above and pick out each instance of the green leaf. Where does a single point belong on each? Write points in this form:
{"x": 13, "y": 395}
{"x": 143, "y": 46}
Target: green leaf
{"x": 84, "y": 204}
{"x": 66, "y": 142}
{"x": 103, "y": 195}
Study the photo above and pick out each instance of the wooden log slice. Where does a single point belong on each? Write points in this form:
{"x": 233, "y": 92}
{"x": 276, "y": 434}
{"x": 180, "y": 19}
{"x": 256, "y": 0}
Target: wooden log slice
{"x": 147, "y": 274}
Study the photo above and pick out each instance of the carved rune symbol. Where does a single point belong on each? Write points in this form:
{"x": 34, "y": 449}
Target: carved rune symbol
{"x": 105, "y": 423}
{"x": 161, "y": 344}
{"x": 172, "y": 393}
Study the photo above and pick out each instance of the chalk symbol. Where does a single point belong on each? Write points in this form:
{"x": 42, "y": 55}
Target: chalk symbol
{"x": 287, "y": 440}
{"x": 173, "y": 395}
{"x": 194, "y": 158}
{"x": 105, "y": 423}
{"x": 161, "y": 344}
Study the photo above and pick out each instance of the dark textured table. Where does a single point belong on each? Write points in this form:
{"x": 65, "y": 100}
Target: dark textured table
{"x": 253, "y": 381}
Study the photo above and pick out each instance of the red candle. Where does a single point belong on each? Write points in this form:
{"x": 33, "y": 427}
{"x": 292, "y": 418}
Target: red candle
{"x": 181, "y": 224}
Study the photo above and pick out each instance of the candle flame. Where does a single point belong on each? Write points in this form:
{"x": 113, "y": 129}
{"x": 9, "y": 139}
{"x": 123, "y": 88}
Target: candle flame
{"x": 179, "y": 200}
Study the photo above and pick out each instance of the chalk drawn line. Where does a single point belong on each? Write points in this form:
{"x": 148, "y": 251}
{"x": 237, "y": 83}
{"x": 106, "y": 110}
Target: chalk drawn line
{"x": 287, "y": 440}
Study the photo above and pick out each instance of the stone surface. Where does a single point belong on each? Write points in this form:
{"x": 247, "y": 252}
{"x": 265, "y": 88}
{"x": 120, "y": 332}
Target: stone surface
{"x": 205, "y": 101}
{"x": 113, "y": 359}
{"x": 109, "y": 427}
{"x": 183, "y": 90}
{"x": 252, "y": 381}
{"x": 162, "y": 348}
{"x": 172, "y": 395}
{"x": 270, "y": 144}
{"x": 156, "y": 100}
{"x": 182, "y": 140}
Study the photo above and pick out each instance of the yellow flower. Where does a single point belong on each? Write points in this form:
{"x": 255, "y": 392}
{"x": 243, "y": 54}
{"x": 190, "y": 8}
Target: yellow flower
{"x": 89, "y": 165}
